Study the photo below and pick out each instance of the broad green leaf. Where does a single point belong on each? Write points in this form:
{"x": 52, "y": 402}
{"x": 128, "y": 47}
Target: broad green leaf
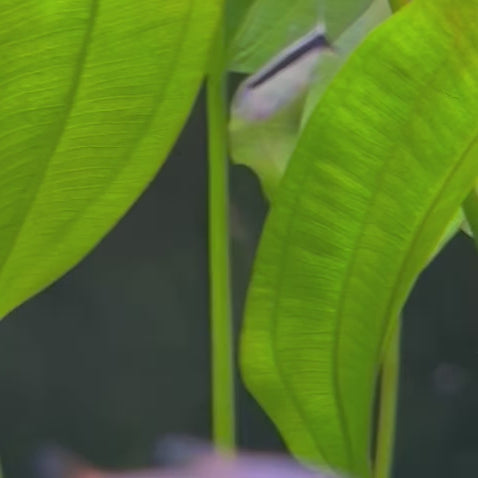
{"x": 92, "y": 96}
{"x": 266, "y": 146}
{"x": 378, "y": 174}
{"x": 270, "y": 25}
{"x": 376, "y": 14}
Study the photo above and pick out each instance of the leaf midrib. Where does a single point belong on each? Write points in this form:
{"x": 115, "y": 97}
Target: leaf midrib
{"x": 456, "y": 166}
{"x": 349, "y": 267}
{"x": 159, "y": 100}
{"x": 69, "y": 103}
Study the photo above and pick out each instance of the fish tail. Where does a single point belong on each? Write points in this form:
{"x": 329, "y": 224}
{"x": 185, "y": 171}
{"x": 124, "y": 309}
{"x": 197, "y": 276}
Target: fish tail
{"x": 54, "y": 462}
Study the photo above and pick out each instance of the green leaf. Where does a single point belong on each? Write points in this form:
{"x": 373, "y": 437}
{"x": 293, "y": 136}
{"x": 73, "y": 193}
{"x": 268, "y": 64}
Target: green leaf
{"x": 270, "y": 25}
{"x": 93, "y": 94}
{"x": 376, "y": 14}
{"x": 378, "y": 174}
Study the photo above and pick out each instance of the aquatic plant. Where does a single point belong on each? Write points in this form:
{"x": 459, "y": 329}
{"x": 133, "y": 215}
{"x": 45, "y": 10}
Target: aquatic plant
{"x": 370, "y": 166}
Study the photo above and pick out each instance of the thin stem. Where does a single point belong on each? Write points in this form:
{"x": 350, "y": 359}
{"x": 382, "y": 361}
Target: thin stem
{"x": 223, "y": 410}
{"x": 470, "y": 208}
{"x": 388, "y": 405}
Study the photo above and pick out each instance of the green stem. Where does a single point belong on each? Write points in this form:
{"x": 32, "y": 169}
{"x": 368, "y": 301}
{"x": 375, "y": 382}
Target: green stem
{"x": 470, "y": 208}
{"x": 223, "y": 410}
{"x": 388, "y": 405}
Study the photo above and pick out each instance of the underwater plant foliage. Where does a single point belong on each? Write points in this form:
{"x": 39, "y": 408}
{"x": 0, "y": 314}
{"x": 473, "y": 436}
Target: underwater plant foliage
{"x": 379, "y": 172}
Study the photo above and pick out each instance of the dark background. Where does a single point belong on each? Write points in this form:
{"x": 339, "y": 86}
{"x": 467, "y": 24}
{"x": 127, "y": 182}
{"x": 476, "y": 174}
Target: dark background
{"x": 116, "y": 354}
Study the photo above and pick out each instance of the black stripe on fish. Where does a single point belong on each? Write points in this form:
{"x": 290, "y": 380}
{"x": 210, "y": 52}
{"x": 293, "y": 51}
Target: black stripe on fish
{"x": 317, "y": 41}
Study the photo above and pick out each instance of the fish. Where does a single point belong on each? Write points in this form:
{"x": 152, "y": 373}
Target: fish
{"x": 282, "y": 79}
{"x": 201, "y": 463}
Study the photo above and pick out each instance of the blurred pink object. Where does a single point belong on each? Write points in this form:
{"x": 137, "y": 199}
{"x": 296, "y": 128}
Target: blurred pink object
{"x": 202, "y": 464}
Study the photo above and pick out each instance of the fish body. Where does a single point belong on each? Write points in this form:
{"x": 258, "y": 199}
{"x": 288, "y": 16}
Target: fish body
{"x": 60, "y": 464}
{"x": 282, "y": 79}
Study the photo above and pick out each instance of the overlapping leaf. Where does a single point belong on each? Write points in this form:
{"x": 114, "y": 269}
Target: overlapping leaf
{"x": 381, "y": 168}
{"x": 92, "y": 95}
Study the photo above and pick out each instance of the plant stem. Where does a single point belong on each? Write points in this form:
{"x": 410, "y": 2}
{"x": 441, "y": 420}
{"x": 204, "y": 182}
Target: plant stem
{"x": 388, "y": 405}
{"x": 470, "y": 208}
{"x": 223, "y": 411}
